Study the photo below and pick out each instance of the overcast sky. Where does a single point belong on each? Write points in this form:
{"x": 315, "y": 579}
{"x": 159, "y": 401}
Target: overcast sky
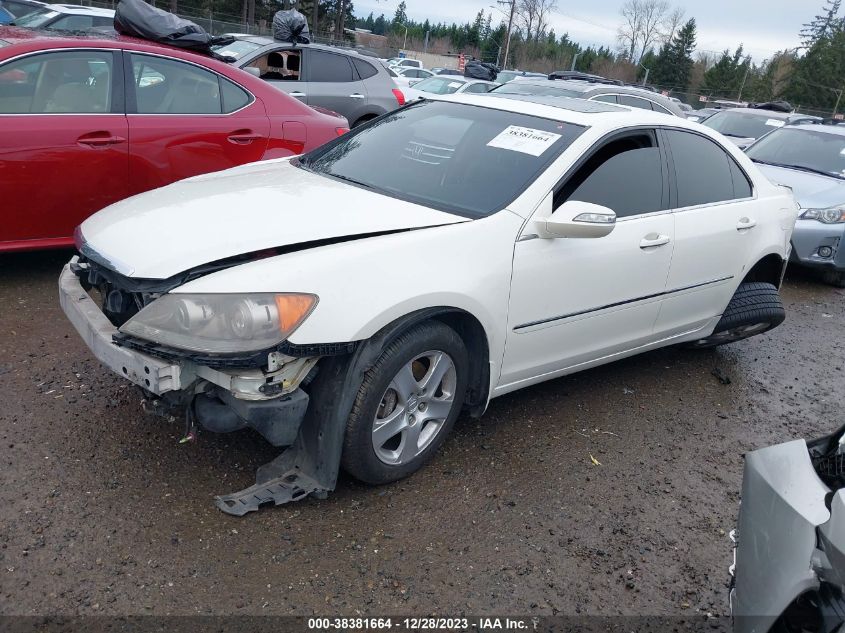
{"x": 764, "y": 26}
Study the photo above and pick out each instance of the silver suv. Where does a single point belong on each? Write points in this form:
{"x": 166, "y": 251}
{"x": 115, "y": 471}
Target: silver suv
{"x": 341, "y": 80}
{"x": 630, "y": 96}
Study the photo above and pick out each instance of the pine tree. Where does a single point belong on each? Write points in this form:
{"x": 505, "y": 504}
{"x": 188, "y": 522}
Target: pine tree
{"x": 673, "y": 66}
{"x": 822, "y": 25}
{"x": 400, "y": 17}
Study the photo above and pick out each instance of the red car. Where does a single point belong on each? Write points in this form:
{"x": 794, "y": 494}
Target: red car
{"x": 89, "y": 120}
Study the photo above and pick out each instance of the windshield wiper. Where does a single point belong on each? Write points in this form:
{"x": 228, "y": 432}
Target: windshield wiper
{"x": 351, "y": 181}
{"x": 811, "y": 170}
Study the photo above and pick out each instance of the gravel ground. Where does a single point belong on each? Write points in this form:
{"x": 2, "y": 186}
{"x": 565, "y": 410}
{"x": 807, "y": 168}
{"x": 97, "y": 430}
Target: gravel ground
{"x": 105, "y": 513}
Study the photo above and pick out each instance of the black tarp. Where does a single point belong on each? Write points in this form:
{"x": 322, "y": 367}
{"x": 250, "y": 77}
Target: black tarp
{"x": 291, "y": 26}
{"x": 774, "y": 106}
{"x": 139, "y": 19}
{"x": 481, "y": 70}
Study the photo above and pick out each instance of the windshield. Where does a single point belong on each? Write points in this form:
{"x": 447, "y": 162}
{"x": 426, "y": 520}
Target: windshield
{"x": 439, "y": 85}
{"x": 236, "y": 49}
{"x": 743, "y": 124}
{"x": 526, "y": 88}
{"x": 463, "y": 159}
{"x": 803, "y": 149}
{"x": 36, "y": 18}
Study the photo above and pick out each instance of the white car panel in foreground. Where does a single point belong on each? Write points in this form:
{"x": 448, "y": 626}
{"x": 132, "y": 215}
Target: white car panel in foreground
{"x": 447, "y": 253}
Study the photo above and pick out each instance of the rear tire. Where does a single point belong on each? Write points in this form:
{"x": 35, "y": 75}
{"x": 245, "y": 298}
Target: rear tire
{"x": 406, "y": 405}
{"x": 755, "y": 308}
{"x": 835, "y": 278}
{"x": 363, "y": 119}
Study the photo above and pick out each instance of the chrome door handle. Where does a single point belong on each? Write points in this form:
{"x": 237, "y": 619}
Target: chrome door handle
{"x": 297, "y": 94}
{"x": 653, "y": 240}
{"x": 100, "y": 141}
{"x": 745, "y": 224}
{"x": 357, "y": 95}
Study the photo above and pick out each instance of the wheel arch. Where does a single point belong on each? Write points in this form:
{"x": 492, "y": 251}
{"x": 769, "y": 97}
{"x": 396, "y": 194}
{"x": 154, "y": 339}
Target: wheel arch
{"x": 769, "y": 268}
{"x": 363, "y": 118}
{"x": 472, "y": 333}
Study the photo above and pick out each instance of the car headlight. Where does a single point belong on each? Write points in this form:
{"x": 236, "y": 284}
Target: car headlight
{"x": 831, "y": 215}
{"x": 221, "y": 323}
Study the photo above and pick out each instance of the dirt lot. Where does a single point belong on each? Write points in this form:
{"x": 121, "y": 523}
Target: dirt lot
{"x": 104, "y": 512}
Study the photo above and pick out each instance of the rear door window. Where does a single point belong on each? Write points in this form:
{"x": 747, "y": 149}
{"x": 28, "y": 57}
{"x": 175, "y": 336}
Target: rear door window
{"x": 233, "y": 96}
{"x": 328, "y": 67}
{"x": 365, "y": 69}
{"x": 478, "y": 88}
{"x": 702, "y": 170}
{"x": 634, "y": 102}
{"x": 167, "y": 86}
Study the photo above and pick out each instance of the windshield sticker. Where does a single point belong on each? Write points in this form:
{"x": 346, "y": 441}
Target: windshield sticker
{"x": 524, "y": 139}
{"x": 455, "y": 84}
{"x": 774, "y": 123}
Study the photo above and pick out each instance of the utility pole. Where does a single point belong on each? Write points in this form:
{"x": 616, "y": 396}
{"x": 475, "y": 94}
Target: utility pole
{"x": 574, "y": 60}
{"x": 510, "y": 27}
{"x": 742, "y": 87}
{"x": 647, "y": 71}
{"x": 838, "y": 101}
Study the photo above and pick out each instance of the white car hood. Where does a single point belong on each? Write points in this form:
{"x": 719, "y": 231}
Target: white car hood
{"x": 163, "y": 232}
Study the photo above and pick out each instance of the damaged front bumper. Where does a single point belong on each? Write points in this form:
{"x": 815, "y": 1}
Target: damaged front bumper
{"x": 154, "y": 375}
{"x": 269, "y": 401}
{"x": 788, "y": 551}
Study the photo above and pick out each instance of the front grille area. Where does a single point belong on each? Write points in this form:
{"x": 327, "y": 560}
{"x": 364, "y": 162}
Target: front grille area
{"x": 121, "y": 297}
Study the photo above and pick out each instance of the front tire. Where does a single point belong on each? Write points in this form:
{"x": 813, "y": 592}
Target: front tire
{"x": 755, "y": 308}
{"x": 406, "y": 405}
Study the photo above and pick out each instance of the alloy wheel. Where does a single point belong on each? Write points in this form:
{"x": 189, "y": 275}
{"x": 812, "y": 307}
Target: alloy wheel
{"x": 414, "y": 408}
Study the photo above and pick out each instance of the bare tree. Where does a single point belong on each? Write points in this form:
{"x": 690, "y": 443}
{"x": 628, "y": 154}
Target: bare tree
{"x": 642, "y": 27}
{"x": 673, "y": 21}
{"x": 533, "y": 17}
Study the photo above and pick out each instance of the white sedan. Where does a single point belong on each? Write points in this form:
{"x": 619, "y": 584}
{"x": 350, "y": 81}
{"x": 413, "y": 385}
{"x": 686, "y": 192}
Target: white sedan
{"x": 407, "y": 77}
{"x": 440, "y": 85}
{"x": 351, "y": 302}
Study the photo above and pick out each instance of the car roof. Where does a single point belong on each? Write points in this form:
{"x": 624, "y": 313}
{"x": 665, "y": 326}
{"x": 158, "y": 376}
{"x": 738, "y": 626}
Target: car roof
{"x": 574, "y": 110}
{"x": 264, "y": 40}
{"x": 827, "y": 128}
{"x": 769, "y": 114}
{"x": 22, "y": 40}
{"x": 78, "y": 9}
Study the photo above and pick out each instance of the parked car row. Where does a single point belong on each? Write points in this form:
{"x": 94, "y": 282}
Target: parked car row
{"x": 108, "y": 118}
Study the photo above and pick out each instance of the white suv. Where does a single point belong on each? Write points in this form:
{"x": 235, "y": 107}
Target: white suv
{"x": 351, "y": 302}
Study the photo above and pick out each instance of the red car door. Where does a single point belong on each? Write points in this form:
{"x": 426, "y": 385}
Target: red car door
{"x": 63, "y": 144}
{"x": 186, "y": 120}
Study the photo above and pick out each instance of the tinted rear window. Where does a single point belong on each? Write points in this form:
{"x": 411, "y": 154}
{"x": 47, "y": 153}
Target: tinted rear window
{"x": 702, "y": 169}
{"x": 744, "y": 124}
{"x": 365, "y": 69}
{"x": 525, "y": 88}
{"x": 328, "y": 67}
{"x": 467, "y": 160}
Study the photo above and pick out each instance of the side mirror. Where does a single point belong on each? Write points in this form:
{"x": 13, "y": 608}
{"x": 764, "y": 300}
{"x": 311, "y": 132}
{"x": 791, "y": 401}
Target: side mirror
{"x": 575, "y": 219}
{"x": 413, "y": 81}
{"x": 252, "y": 70}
